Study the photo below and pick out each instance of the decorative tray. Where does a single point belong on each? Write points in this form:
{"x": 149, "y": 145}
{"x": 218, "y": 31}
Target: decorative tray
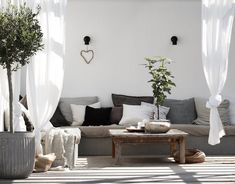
{"x": 135, "y": 129}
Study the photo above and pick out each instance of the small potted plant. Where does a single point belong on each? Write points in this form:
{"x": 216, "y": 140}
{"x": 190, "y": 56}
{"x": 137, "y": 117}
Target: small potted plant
{"x": 20, "y": 39}
{"x": 161, "y": 80}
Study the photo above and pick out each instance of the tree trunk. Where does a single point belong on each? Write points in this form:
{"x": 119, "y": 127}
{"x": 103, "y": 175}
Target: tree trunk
{"x": 10, "y": 97}
{"x": 158, "y": 112}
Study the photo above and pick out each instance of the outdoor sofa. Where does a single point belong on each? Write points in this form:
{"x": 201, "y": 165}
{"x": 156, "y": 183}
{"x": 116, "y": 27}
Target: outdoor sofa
{"x": 188, "y": 115}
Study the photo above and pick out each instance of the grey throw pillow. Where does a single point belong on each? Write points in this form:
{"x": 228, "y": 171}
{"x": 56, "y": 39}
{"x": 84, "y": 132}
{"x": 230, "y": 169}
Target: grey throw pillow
{"x": 65, "y": 105}
{"x": 203, "y": 113}
{"x": 116, "y": 115}
{"x": 181, "y": 111}
{"x": 119, "y": 100}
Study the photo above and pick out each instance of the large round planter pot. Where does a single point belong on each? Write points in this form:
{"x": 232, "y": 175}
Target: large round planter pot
{"x": 17, "y": 153}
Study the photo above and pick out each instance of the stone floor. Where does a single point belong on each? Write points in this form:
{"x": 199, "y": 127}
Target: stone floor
{"x": 139, "y": 170}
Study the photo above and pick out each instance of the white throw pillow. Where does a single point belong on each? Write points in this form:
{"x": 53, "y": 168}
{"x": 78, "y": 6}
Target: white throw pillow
{"x": 79, "y": 111}
{"x": 162, "y": 110}
{"x": 132, "y": 114}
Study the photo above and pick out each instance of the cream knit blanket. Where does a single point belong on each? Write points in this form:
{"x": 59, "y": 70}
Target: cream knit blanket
{"x": 61, "y": 141}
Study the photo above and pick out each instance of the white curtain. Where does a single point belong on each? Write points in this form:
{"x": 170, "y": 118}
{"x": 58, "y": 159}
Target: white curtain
{"x": 45, "y": 73}
{"x": 217, "y": 21}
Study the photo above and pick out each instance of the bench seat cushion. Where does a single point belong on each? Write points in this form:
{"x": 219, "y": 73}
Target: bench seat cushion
{"x": 98, "y": 131}
{"x": 191, "y": 129}
{"x": 201, "y": 130}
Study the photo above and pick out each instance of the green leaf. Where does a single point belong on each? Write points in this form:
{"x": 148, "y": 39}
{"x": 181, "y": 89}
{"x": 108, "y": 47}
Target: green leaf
{"x": 161, "y": 77}
{"x": 20, "y": 35}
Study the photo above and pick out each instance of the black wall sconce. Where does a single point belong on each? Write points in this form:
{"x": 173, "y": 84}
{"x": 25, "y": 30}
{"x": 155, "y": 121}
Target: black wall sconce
{"x": 87, "y": 40}
{"x": 174, "y": 40}
{"x": 87, "y": 54}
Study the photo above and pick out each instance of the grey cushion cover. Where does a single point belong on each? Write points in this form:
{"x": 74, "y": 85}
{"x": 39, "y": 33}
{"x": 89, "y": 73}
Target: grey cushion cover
{"x": 116, "y": 115}
{"x": 98, "y": 131}
{"x": 181, "y": 111}
{"x": 203, "y": 112}
{"x": 195, "y": 130}
{"x": 65, "y": 105}
{"x": 201, "y": 130}
{"x": 119, "y": 100}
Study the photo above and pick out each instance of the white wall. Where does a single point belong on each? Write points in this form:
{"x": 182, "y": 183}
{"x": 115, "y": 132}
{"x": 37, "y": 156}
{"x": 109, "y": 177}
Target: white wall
{"x": 123, "y": 32}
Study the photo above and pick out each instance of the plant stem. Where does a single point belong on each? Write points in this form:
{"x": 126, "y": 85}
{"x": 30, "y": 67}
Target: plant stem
{"x": 10, "y": 97}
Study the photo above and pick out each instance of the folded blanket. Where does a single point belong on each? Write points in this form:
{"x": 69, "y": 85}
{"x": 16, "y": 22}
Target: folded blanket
{"x": 61, "y": 141}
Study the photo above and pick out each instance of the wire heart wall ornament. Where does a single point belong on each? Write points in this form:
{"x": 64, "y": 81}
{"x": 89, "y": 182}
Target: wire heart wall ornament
{"x": 87, "y": 55}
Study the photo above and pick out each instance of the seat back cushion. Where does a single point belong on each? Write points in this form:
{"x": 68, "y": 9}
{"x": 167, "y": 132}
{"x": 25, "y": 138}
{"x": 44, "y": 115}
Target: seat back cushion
{"x": 119, "y": 100}
{"x": 65, "y": 105}
{"x": 181, "y": 111}
{"x": 97, "y": 116}
{"x": 58, "y": 119}
{"x": 116, "y": 115}
{"x": 132, "y": 114}
{"x": 203, "y": 112}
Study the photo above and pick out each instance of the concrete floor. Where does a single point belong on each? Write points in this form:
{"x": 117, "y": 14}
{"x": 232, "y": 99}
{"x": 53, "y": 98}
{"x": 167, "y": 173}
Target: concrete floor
{"x": 101, "y": 169}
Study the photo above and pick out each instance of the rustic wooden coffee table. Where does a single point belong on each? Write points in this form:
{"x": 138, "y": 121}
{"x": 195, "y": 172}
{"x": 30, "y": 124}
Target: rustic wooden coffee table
{"x": 122, "y": 136}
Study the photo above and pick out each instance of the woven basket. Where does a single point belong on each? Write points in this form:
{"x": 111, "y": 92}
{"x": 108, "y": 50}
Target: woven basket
{"x": 191, "y": 156}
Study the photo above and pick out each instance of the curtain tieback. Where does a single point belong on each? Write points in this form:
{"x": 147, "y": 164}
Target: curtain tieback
{"x": 214, "y": 101}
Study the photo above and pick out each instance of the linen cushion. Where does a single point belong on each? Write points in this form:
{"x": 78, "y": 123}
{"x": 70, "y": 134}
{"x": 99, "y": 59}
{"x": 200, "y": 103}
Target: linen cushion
{"x": 58, "y": 119}
{"x": 203, "y": 112}
{"x": 132, "y": 114}
{"x": 181, "y": 111}
{"x": 65, "y": 105}
{"x": 23, "y": 101}
{"x": 119, "y": 100}
{"x": 116, "y": 115}
{"x": 162, "y": 110}
{"x": 201, "y": 130}
{"x": 98, "y": 131}
{"x": 78, "y": 112}
{"x": 27, "y": 119}
{"x": 96, "y": 117}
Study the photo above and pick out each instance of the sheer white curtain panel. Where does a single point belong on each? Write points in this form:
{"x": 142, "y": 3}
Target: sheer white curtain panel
{"x": 45, "y": 73}
{"x": 217, "y": 21}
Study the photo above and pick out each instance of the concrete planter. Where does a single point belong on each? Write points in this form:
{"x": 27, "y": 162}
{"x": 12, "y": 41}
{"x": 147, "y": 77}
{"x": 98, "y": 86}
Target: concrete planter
{"x": 158, "y": 126}
{"x": 17, "y": 153}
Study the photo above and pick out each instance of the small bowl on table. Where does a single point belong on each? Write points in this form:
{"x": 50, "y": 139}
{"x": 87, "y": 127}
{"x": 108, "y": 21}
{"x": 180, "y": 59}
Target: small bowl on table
{"x": 157, "y": 126}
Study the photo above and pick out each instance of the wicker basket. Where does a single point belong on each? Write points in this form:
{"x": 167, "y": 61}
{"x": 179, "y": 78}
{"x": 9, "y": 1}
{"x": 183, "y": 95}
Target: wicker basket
{"x": 191, "y": 156}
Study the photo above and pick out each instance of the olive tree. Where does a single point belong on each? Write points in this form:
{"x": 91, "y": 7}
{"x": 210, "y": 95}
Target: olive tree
{"x": 20, "y": 38}
{"x": 161, "y": 79}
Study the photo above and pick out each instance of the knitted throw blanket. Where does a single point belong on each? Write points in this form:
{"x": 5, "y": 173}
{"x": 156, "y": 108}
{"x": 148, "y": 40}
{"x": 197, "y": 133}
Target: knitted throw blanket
{"x": 61, "y": 141}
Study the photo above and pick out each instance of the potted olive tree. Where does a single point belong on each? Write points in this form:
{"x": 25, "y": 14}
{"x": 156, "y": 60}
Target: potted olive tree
{"x": 161, "y": 80}
{"x": 20, "y": 39}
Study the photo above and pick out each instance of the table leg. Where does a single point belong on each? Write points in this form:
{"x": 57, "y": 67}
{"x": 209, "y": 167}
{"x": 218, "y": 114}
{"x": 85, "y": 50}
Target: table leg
{"x": 113, "y": 150}
{"x": 118, "y": 151}
{"x": 173, "y": 146}
{"x": 182, "y": 150}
